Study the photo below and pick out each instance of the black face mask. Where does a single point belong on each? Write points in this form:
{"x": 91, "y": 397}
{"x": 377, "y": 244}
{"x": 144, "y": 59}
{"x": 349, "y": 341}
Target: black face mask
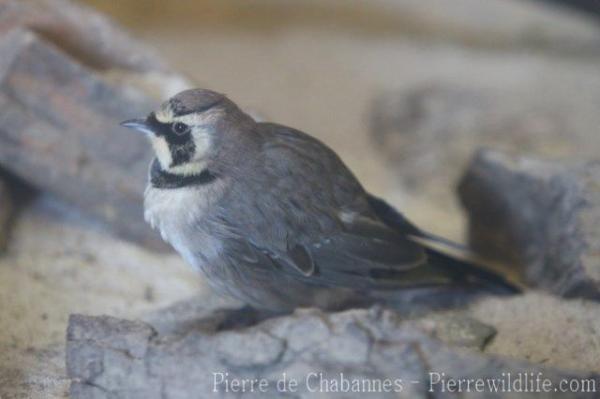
{"x": 178, "y": 137}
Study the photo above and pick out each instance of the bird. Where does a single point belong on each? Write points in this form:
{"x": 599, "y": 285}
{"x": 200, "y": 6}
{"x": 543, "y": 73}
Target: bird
{"x": 273, "y": 217}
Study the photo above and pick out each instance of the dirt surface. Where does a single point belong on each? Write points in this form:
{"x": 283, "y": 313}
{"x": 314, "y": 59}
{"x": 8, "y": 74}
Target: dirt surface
{"x": 59, "y": 264}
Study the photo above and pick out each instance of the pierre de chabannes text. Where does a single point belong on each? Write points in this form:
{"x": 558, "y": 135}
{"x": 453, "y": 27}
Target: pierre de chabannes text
{"x": 524, "y": 382}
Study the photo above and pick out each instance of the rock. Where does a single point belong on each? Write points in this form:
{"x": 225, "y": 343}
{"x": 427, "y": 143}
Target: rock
{"x": 458, "y": 330}
{"x": 319, "y": 352}
{"x": 540, "y": 217}
{"x": 430, "y": 130}
{"x": 208, "y": 312}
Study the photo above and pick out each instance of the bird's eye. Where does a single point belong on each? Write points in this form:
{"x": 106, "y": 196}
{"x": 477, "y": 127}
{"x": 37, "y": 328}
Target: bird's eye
{"x": 180, "y": 128}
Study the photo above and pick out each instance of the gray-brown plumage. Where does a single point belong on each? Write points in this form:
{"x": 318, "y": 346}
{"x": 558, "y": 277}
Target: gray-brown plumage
{"x": 273, "y": 217}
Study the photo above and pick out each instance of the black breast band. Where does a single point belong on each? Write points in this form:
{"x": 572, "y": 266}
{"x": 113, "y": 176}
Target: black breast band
{"x": 162, "y": 179}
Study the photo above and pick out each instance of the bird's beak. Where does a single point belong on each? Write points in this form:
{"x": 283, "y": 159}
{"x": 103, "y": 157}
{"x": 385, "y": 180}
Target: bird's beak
{"x": 140, "y": 125}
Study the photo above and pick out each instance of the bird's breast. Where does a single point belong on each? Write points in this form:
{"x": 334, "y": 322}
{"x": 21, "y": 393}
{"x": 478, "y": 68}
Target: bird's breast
{"x": 178, "y": 214}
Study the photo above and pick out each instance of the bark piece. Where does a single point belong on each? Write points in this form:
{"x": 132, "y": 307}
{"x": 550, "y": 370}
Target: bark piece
{"x": 95, "y": 41}
{"x": 526, "y": 106}
{"x": 308, "y": 346}
{"x": 87, "y": 35}
{"x": 59, "y": 132}
{"x": 539, "y": 216}
{"x": 68, "y": 76}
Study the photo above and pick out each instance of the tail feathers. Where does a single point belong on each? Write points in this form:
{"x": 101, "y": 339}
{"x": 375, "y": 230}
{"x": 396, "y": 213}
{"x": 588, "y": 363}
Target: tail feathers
{"x": 467, "y": 267}
{"x": 450, "y": 259}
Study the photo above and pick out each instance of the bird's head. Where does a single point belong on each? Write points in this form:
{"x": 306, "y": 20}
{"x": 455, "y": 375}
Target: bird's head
{"x": 188, "y": 130}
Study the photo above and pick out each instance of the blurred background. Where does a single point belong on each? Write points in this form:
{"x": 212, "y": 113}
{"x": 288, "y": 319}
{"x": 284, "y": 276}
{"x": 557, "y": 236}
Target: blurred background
{"x": 404, "y": 90}
{"x": 321, "y": 66}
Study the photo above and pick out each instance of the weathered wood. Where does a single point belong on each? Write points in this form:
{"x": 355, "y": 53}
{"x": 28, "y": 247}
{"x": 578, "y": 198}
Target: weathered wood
{"x": 113, "y": 358}
{"x": 527, "y": 106}
{"x": 85, "y": 34}
{"x": 68, "y": 76}
{"x": 59, "y": 131}
{"x": 539, "y": 216}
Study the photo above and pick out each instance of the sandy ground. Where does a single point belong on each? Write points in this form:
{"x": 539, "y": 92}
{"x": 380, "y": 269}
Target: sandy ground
{"x": 59, "y": 264}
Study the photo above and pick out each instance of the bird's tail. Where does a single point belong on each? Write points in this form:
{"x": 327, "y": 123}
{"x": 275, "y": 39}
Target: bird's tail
{"x": 451, "y": 261}
{"x": 465, "y": 267}
{"x": 452, "y": 277}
